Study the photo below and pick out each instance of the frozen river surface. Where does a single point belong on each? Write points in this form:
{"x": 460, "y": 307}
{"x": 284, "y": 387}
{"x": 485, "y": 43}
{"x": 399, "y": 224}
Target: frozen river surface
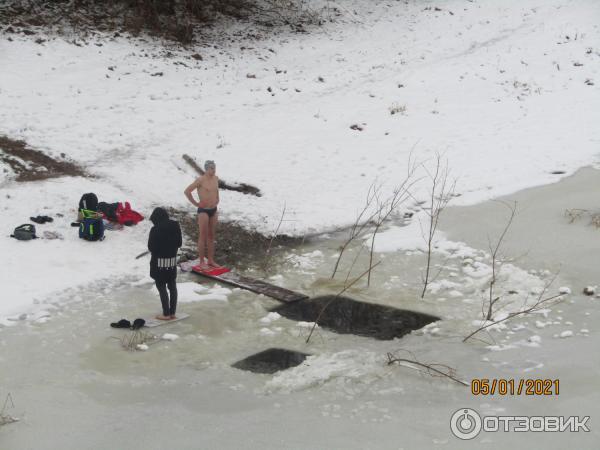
{"x": 75, "y": 387}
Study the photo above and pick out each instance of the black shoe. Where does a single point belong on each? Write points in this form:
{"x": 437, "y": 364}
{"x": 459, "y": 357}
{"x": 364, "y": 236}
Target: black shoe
{"x": 137, "y": 324}
{"x": 123, "y": 323}
{"x": 38, "y": 219}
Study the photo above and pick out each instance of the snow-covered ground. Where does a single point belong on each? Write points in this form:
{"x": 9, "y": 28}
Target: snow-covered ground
{"x": 491, "y": 85}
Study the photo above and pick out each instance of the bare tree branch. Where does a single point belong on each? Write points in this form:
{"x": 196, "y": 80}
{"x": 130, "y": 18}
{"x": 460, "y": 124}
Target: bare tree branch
{"x": 541, "y": 303}
{"x": 386, "y": 208}
{"x": 358, "y": 228}
{"x": 444, "y": 370}
{"x": 494, "y": 255}
{"x": 267, "y": 259}
{"x": 440, "y": 195}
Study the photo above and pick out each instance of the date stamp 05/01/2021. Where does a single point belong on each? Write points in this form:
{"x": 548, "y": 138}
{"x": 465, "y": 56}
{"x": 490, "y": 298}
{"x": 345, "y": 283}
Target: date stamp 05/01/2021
{"x": 511, "y": 386}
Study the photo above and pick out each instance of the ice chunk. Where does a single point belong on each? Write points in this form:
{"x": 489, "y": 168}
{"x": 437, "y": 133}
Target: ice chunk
{"x": 266, "y": 332}
{"x": 271, "y": 317}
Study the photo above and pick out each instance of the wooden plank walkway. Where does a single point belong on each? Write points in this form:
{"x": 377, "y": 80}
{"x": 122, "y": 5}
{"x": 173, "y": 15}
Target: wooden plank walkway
{"x": 257, "y": 286}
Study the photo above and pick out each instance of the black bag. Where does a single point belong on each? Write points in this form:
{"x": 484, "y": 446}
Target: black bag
{"x": 109, "y": 210}
{"x": 89, "y": 201}
{"x": 24, "y": 232}
{"x": 91, "y": 229}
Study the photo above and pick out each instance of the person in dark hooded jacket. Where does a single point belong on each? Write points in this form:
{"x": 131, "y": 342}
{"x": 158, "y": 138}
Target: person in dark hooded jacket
{"x": 163, "y": 243}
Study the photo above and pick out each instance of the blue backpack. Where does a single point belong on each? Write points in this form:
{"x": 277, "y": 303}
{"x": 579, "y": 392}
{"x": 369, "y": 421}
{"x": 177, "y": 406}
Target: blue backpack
{"x": 91, "y": 229}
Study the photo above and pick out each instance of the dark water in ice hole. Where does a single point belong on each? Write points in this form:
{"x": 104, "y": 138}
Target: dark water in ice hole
{"x": 347, "y": 316}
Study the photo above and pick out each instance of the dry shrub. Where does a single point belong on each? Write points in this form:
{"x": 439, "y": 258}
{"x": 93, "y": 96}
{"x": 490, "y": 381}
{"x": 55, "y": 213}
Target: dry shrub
{"x": 172, "y": 19}
{"x": 5, "y": 419}
{"x": 131, "y": 340}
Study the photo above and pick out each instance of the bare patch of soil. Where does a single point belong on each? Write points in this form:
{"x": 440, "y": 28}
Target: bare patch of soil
{"x": 236, "y": 246}
{"x": 32, "y": 165}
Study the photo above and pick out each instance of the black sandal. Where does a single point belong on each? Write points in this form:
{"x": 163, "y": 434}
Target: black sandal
{"x": 123, "y": 323}
{"x": 137, "y": 324}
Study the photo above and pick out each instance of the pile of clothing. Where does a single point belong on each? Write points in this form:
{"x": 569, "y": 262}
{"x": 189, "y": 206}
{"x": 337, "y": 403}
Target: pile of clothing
{"x": 94, "y": 217}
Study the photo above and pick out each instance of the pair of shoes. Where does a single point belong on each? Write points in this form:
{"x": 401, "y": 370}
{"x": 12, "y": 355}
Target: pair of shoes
{"x": 41, "y": 219}
{"x": 124, "y": 323}
{"x": 137, "y": 324}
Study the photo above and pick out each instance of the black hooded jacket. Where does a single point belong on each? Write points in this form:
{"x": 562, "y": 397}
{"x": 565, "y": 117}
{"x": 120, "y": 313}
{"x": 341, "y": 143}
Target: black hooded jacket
{"x": 163, "y": 243}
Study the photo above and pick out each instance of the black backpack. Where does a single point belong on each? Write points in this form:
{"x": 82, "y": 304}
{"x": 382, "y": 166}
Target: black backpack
{"x": 24, "y": 232}
{"x": 89, "y": 202}
{"x": 91, "y": 229}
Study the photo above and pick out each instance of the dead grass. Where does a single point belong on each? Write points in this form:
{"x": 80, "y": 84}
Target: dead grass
{"x": 576, "y": 214}
{"x": 5, "y": 419}
{"x": 132, "y": 340}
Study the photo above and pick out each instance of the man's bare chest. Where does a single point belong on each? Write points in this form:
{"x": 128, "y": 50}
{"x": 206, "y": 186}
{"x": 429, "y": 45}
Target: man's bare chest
{"x": 209, "y": 187}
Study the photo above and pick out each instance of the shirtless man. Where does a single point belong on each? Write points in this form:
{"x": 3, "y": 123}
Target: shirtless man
{"x": 207, "y": 187}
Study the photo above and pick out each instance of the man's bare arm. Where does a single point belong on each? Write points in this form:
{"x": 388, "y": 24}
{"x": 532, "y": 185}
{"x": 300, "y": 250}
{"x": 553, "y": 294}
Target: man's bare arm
{"x": 217, "y": 190}
{"x": 190, "y": 189}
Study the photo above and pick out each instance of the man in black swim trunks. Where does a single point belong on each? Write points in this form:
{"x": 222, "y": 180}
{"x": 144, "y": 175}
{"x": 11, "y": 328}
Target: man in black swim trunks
{"x": 207, "y": 187}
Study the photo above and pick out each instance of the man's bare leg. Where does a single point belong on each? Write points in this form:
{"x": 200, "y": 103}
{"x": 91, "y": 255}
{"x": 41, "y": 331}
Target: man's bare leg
{"x": 203, "y": 228}
{"x": 210, "y": 243}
